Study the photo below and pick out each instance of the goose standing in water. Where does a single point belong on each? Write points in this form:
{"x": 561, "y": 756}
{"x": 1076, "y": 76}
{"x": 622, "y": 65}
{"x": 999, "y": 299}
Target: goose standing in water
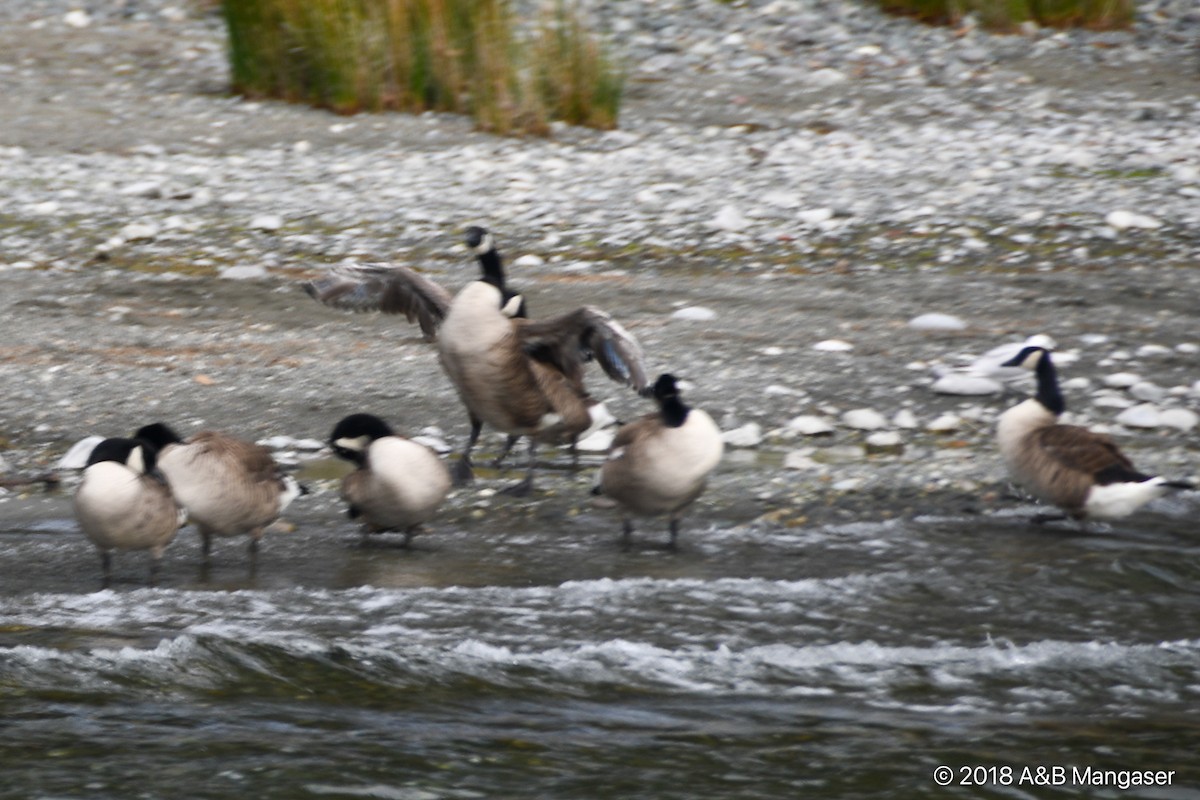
{"x": 1081, "y": 472}
{"x": 660, "y": 463}
{"x": 520, "y": 376}
{"x": 398, "y": 484}
{"x": 124, "y": 502}
{"x": 229, "y": 487}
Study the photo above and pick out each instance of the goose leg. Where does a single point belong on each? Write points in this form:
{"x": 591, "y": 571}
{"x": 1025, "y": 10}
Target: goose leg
{"x": 1043, "y": 518}
{"x": 523, "y": 487}
{"x": 673, "y": 527}
{"x": 105, "y": 568}
{"x": 205, "y": 543}
{"x": 508, "y": 445}
{"x": 463, "y": 474}
{"x": 626, "y": 533}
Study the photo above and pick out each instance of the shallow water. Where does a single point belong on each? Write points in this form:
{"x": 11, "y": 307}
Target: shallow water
{"x": 522, "y": 653}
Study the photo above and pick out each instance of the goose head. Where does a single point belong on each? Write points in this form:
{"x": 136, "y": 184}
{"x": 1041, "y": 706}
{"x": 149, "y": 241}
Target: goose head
{"x": 354, "y": 434}
{"x": 158, "y": 434}
{"x": 1037, "y": 358}
{"x": 666, "y": 392}
{"x": 136, "y": 454}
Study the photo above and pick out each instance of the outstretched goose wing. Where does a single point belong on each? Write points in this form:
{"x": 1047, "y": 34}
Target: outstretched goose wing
{"x": 391, "y": 289}
{"x": 568, "y": 341}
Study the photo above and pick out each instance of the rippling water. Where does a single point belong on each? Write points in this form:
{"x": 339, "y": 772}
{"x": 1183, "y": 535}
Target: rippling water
{"x": 526, "y": 655}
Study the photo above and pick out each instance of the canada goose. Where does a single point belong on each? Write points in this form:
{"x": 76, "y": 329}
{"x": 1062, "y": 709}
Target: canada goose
{"x": 522, "y": 377}
{"x": 1069, "y": 466}
{"x": 660, "y": 463}
{"x": 124, "y": 503}
{"x": 398, "y": 485}
{"x": 228, "y": 486}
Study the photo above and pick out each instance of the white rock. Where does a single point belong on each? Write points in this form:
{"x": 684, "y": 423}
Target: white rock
{"x": 729, "y": 219}
{"x": 77, "y": 456}
{"x": 864, "y": 419}
{"x": 1187, "y": 348}
{"x": 1111, "y": 401}
{"x": 1140, "y": 416}
{"x": 885, "y": 442}
{"x": 905, "y": 420}
{"x": 1122, "y": 220}
{"x": 1121, "y": 380}
{"x": 139, "y": 231}
{"x": 1077, "y": 384}
{"x": 956, "y": 383}
{"x": 1183, "y": 419}
{"x": 1148, "y": 392}
{"x": 1151, "y": 350}
{"x": 937, "y": 322}
{"x": 246, "y": 272}
{"x": 833, "y": 346}
{"x": 815, "y": 216}
{"x": 748, "y": 435}
{"x": 785, "y": 391}
{"x": 946, "y": 423}
{"x": 810, "y": 425}
{"x": 827, "y": 77}
{"x": 799, "y": 459}
{"x": 77, "y": 19}
{"x": 695, "y": 314}
{"x": 281, "y": 442}
{"x": 530, "y": 260}
{"x": 267, "y": 222}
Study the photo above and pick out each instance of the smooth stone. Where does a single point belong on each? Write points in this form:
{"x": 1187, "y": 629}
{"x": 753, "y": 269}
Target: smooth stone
{"x": 1187, "y": 348}
{"x": 815, "y": 216}
{"x": 267, "y": 222}
{"x": 810, "y": 425}
{"x": 748, "y": 435}
{"x": 694, "y": 314}
{"x": 77, "y": 456}
{"x": 730, "y": 219}
{"x": 1140, "y": 416}
{"x": 937, "y": 322}
{"x": 529, "y": 260}
{"x": 884, "y": 442}
{"x": 77, "y": 19}
{"x": 1182, "y": 419}
{"x": 1079, "y": 384}
{"x": 1111, "y": 401}
{"x": 244, "y": 272}
{"x": 1123, "y": 220}
{"x": 946, "y": 423}
{"x": 1148, "y": 392}
{"x": 1150, "y": 350}
{"x": 1121, "y": 380}
{"x": 966, "y": 385}
{"x": 139, "y": 231}
{"x": 905, "y": 419}
{"x": 864, "y": 419}
{"x": 799, "y": 459}
{"x": 833, "y": 346}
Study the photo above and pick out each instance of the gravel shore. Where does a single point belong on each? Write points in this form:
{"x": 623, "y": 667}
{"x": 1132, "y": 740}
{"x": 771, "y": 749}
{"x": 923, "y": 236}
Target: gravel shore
{"x": 815, "y": 174}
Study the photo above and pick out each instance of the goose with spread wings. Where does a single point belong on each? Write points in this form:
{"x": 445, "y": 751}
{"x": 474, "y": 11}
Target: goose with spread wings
{"x": 520, "y": 376}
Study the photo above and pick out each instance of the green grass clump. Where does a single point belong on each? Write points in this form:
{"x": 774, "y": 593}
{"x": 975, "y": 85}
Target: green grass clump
{"x": 1007, "y": 15}
{"x": 462, "y": 56}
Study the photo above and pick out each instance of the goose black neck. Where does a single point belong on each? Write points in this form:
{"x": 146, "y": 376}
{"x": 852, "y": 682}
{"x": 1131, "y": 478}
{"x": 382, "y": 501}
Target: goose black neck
{"x": 493, "y": 271}
{"x": 1048, "y": 393}
{"x": 674, "y": 412}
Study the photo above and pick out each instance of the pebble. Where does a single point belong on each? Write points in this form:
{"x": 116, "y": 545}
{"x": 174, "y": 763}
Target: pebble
{"x": 529, "y": 260}
{"x": 864, "y": 419}
{"x": 1182, "y": 419}
{"x": 1121, "y": 380}
{"x": 799, "y": 460}
{"x": 1151, "y": 350}
{"x": 833, "y": 346}
{"x": 244, "y": 272}
{"x": 1148, "y": 392}
{"x": 937, "y": 322}
{"x": 1145, "y": 415}
{"x": 748, "y": 435}
{"x": 694, "y": 314}
{"x": 945, "y": 423}
{"x": 815, "y": 216}
{"x": 1123, "y": 220}
{"x": 905, "y": 420}
{"x": 729, "y": 219}
{"x": 267, "y": 222}
{"x": 884, "y": 442}
{"x": 139, "y": 231}
{"x": 810, "y": 425}
{"x": 955, "y": 383}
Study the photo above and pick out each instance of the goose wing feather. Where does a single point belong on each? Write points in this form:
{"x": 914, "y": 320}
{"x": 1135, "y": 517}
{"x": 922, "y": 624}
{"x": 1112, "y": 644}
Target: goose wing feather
{"x": 391, "y": 289}
{"x": 1095, "y": 454}
{"x": 568, "y": 341}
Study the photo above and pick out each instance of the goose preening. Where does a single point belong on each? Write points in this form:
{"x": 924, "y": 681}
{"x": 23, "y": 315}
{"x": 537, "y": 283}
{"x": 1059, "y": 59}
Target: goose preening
{"x": 229, "y": 487}
{"x": 124, "y": 502}
{"x": 522, "y": 377}
{"x": 660, "y": 463}
{"x": 1078, "y": 470}
{"x": 398, "y": 484}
